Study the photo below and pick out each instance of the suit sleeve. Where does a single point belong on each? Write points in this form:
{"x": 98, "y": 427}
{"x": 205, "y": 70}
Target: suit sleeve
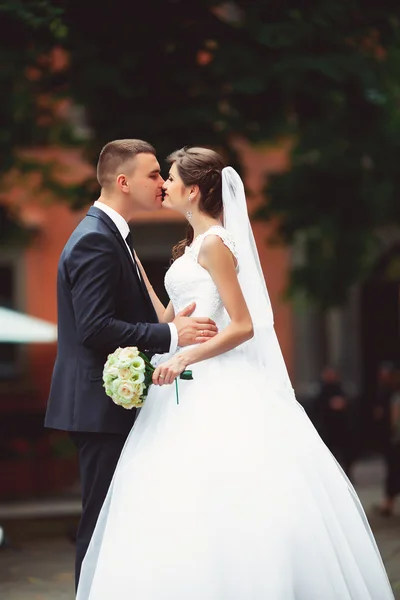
{"x": 93, "y": 276}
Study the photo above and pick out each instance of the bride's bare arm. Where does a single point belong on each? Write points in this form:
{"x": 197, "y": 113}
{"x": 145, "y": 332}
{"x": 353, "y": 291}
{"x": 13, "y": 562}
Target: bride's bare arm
{"x": 220, "y": 263}
{"x": 165, "y": 315}
{"x": 169, "y": 314}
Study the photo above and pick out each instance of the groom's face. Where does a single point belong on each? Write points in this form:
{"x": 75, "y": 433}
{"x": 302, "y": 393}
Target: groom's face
{"x": 145, "y": 183}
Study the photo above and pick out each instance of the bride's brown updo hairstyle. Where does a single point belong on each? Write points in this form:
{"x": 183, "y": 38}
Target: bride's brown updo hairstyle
{"x": 202, "y": 167}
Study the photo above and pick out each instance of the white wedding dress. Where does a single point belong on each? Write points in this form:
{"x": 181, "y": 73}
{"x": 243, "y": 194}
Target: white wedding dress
{"x": 230, "y": 494}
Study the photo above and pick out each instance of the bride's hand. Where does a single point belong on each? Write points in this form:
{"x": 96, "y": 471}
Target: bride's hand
{"x": 167, "y": 372}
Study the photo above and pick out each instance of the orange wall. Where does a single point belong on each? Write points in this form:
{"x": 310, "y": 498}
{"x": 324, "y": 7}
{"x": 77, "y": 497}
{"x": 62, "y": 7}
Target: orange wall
{"x": 258, "y": 162}
{"x": 41, "y": 261}
{"x": 53, "y": 221}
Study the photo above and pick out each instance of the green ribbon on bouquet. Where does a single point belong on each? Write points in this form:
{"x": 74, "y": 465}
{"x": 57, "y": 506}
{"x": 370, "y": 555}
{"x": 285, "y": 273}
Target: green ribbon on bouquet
{"x": 186, "y": 375}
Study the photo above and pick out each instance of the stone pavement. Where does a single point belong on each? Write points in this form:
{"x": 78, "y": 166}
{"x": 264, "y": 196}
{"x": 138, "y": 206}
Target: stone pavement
{"x": 41, "y": 565}
{"x": 41, "y": 570}
{"x": 368, "y": 480}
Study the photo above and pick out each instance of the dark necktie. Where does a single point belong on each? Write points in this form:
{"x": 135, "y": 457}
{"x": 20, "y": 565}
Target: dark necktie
{"x": 128, "y": 240}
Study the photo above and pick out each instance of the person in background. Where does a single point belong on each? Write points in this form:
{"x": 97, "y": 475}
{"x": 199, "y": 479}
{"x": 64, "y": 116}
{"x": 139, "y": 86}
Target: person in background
{"x": 391, "y": 399}
{"x": 381, "y": 409}
{"x": 332, "y": 417}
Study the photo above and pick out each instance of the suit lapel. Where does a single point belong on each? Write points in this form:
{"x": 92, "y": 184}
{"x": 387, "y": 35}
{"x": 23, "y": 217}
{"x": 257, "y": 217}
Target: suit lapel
{"x": 100, "y": 214}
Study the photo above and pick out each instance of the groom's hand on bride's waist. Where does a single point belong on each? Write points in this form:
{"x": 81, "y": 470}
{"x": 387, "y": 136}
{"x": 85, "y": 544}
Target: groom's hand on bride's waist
{"x": 193, "y": 330}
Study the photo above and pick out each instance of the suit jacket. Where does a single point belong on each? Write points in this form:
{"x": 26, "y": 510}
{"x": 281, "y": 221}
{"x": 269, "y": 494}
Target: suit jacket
{"x": 102, "y": 304}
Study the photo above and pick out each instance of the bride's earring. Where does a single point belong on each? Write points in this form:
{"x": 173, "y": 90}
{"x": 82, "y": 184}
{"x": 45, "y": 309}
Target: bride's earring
{"x": 189, "y": 213}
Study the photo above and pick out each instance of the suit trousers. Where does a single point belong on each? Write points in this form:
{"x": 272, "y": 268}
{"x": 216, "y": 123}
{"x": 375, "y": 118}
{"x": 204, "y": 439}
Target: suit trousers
{"x": 98, "y": 455}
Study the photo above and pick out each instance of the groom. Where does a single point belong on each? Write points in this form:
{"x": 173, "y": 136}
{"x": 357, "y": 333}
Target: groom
{"x": 103, "y": 303}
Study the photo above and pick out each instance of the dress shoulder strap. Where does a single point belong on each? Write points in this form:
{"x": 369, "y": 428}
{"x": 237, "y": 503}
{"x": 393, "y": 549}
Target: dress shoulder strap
{"x": 223, "y": 233}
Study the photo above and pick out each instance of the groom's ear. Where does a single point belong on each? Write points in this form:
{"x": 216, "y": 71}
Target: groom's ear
{"x": 122, "y": 183}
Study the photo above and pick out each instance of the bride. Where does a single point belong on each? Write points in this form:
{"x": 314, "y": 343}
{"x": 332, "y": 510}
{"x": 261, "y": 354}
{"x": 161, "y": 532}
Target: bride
{"x": 230, "y": 494}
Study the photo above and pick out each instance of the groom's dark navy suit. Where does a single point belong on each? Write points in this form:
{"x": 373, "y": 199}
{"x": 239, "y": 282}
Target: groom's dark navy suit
{"x": 102, "y": 304}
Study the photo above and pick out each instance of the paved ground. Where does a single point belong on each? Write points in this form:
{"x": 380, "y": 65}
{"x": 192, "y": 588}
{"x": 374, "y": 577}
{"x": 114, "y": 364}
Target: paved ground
{"x": 41, "y": 566}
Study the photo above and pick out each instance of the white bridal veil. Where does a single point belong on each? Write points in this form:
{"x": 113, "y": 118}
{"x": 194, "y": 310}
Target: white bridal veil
{"x": 264, "y": 346}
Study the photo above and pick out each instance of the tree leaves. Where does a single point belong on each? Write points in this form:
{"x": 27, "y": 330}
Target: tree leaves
{"x": 178, "y": 73}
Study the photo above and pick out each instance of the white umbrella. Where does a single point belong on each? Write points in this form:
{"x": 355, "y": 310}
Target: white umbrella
{"x": 17, "y": 328}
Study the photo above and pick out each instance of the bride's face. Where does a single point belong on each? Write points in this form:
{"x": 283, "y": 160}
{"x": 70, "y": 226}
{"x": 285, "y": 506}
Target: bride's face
{"x": 176, "y": 194}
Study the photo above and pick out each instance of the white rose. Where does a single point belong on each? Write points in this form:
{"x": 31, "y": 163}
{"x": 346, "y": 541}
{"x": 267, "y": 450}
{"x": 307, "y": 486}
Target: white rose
{"x": 112, "y": 358}
{"x": 136, "y": 400}
{"x": 114, "y": 386}
{"x": 124, "y": 373}
{"x": 129, "y": 395}
{"x": 112, "y": 371}
{"x": 126, "y": 390}
{"x": 127, "y": 356}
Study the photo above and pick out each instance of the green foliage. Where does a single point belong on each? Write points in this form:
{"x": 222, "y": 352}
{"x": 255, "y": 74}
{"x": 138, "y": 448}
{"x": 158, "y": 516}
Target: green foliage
{"x": 344, "y": 183}
{"x": 324, "y": 74}
{"x": 12, "y": 231}
{"x": 28, "y": 31}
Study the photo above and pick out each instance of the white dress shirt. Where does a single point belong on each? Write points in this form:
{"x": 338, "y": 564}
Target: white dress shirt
{"x": 123, "y": 228}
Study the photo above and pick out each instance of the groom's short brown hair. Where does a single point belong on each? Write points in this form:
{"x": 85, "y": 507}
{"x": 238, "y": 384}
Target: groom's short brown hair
{"x": 115, "y": 154}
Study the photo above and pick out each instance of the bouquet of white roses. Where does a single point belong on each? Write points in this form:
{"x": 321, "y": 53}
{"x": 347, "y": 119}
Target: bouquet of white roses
{"x": 127, "y": 376}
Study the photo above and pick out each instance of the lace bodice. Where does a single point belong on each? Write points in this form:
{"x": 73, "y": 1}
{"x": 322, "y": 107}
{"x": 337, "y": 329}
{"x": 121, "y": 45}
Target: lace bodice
{"x": 187, "y": 281}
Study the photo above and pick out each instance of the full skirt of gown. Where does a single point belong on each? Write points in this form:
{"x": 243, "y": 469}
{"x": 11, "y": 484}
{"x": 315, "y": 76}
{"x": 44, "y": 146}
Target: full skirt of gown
{"x": 230, "y": 495}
